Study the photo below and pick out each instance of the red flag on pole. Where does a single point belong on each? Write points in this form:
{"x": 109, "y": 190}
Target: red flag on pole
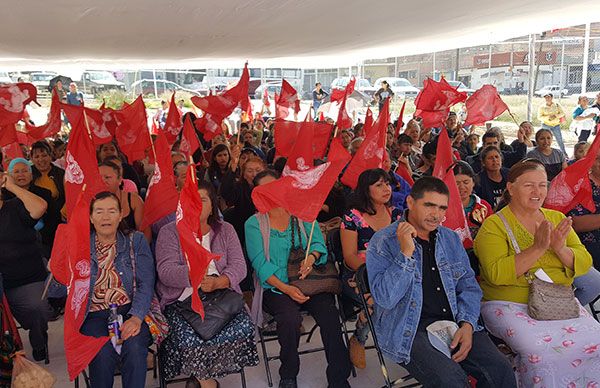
{"x": 81, "y": 164}
{"x": 287, "y": 133}
{"x": 303, "y": 188}
{"x": 371, "y": 151}
{"x": 343, "y": 120}
{"x": 434, "y": 101}
{"x": 572, "y": 185}
{"x": 162, "y": 196}
{"x": 400, "y": 122}
{"x": 403, "y": 172}
{"x": 53, "y": 124}
{"x": 70, "y": 263}
{"x": 189, "y": 139}
{"x": 455, "y": 215}
{"x": 13, "y": 100}
{"x": 132, "y": 133}
{"x": 484, "y": 105}
{"x": 285, "y": 100}
{"x": 190, "y": 236}
{"x": 8, "y": 134}
{"x": 173, "y": 123}
{"x": 10, "y": 152}
{"x": 95, "y": 122}
{"x": 338, "y": 94}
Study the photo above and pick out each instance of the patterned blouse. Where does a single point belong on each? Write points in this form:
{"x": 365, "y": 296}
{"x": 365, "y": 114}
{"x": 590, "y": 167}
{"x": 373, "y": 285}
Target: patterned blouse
{"x": 592, "y": 236}
{"x": 354, "y": 220}
{"x": 108, "y": 288}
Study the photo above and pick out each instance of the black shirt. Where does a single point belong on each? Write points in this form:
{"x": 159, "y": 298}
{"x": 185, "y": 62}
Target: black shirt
{"x": 435, "y": 302}
{"x": 20, "y": 257}
{"x": 497, "y": 189}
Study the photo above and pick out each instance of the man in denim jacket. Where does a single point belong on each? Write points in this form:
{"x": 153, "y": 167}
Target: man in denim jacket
{"x": 419, "y": 273}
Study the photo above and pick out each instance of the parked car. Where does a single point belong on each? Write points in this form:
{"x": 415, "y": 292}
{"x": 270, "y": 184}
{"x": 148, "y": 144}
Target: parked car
{"x": 362, "y": 85}
{"x": 41, "y": 80}
{"x": 146, "y": 87}
{"x": 94, "y": 82}
{"x": 461, "y": 87}
{"x": 4, "y": 78}
{"x": 272, "y": 88}
{"x": 555, "y": 90}
{"x": 400, "y": 86}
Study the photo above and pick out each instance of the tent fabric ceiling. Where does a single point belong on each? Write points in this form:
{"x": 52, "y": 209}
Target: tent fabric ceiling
{"x": 297, "y": 33}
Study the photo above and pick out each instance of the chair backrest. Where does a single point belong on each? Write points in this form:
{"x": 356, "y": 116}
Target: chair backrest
{"x": 334, "y": 246}
{"x": 362, "y": 280}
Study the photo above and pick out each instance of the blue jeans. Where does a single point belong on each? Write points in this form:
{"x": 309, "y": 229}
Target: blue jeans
{"x": 557, "y": 133}
{"x": 132, "y": 360}
{"x": 484, "y": 362}
{"x": 587, "y": 287}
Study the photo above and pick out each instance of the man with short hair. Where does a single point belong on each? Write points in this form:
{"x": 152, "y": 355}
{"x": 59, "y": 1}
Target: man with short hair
{"x": 74, "y": 97}
{"x": 419, "y": 274}
{"x": 514, "y": 154}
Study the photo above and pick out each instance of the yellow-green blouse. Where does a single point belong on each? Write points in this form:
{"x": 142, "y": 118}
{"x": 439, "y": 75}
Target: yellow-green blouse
{"x": 496, "y": 255}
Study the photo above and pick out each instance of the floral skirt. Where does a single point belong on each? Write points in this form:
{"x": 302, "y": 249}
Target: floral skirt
{"x": 549, "y": 353}
{"x": 184, "y": 352}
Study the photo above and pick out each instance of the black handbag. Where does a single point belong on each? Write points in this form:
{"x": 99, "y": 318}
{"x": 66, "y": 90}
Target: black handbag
{"x": 220, "y": 307}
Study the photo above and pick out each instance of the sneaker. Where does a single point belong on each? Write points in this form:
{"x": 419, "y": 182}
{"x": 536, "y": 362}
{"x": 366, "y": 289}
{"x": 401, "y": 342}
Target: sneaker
{"x": 288, "y": 383}
{"x": 357, "y": 353}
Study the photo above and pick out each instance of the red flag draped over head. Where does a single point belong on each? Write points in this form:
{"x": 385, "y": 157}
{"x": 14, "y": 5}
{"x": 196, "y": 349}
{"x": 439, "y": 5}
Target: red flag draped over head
{"x": 338, "y": 94}
{"x": 343, "y": 120}
{"x": 190, "y": 235}
{"x": 13, "y": 100}
{"x": 400, "y": 122}
{"x": 303, "y": 188}
{"x": 189, "y": 140}
{"x": 455, "y": 215}
{"x": 285, "y": 100}
{"x": 287, "y": 133}
{"x": 133, "y": 135}
{"x": 8, "y": 134}
{"x": 52, "y": 126}
{"x": 434, "y": 101}
{"x": 81, "y": 164}
{"x": 173, "y": 123}
{"x": 10, "y": 152}
{"x": 371, "y": 151}
{"x": 572, "y": 186}
{"x": 484, "y": 105}
{"x": 217, "y": 108}
{"x": 70, "y": 263}
{"x": 162, "y": 196}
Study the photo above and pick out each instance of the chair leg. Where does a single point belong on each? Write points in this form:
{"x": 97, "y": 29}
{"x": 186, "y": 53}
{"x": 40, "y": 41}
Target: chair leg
{"x": 243, "y": 377}
{"x": 265, "y": 357}
{"x": 162, "y": 382}
{"x": 154, "y": 364}
{"x": 76, "y": 382}
{"x": 384, "y": 370}
{"x": 311, "y": 332}
{"x": 86, "y": 379}
{"x": 344, "y": 330}
{"x": 593, "y": 310}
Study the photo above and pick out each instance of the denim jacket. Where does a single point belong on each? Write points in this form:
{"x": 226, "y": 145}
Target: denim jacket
{"x": 144, "y": 268}
{"x": 396, "y": 286}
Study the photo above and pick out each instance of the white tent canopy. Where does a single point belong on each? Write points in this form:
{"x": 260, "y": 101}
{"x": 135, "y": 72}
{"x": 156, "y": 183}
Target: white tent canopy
{"x": 286, "y": 33}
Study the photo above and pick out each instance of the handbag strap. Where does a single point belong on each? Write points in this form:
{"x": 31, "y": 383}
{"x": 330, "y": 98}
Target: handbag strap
{"x": 511, "y": 235}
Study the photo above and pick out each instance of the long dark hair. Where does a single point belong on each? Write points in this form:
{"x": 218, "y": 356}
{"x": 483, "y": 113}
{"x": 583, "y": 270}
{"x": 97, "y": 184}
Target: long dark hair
{"x": 361, "y": 199}
{"x": 214, "y": 216}
{"x": 214, "y": 171}
{"x": 123, "y": 227}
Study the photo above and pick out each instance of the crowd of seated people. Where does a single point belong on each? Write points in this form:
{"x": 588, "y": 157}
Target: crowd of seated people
{"x": 419, "y": 271}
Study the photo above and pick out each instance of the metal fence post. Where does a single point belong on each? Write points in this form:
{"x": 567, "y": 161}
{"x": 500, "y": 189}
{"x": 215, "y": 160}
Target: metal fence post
{"x": 586, "y": 54}
{"x": 531, "y": 70}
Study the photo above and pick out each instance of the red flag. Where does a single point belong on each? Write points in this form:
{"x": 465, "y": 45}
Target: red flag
{"x": 162, "y": 196}
{"x": 94, "y": 122}
{"x": 8, "y": 134}
{"x": 81, "y": 164}
{"x": 70, "y": 263}
{"x": 109, "y": 117}
{"x": 371, "y": 151}
{"x": 285, "y": 100}
{"x": 265, "y": 98}
{"x": 400, "y": 122}
{"x": 338, "y": 94}
{"x": 52, "y": 126}
{"x": 13, "y": 99}
{"x": 132, "y": 133}
{"x": 403, "y": 172}
{"x": 303, "y": 188}
{"x": 572, "y": 185}
{"x": 455, "y": 215}
{"x": 344, "y": 121}
{"x": 434, "y": 101}
{"x": 287, "y": 133}
{"x": 10, "y": 152}
{"x": 189, "y": 139}
{"x": 484, "y": 105}
{"x": 190, "y": 236}
{"x": 173, "y": 123}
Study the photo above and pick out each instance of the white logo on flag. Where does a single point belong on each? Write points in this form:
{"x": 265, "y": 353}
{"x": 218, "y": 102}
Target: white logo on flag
{"x": 73, "y": 173}
{"x": 99, "y": 130}
{"x": 17, "y": 99}
{"x": 179, "y": 213}
{"x": 305, "y": 178}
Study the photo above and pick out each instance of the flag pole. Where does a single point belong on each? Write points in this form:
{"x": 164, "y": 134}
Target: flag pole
{"x": 512, "y": 116}
{"x": 312, "y": 230}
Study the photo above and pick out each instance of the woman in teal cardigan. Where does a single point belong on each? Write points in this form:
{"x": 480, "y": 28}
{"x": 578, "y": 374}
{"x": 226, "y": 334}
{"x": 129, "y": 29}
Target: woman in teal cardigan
{"x": 284, "y": 301}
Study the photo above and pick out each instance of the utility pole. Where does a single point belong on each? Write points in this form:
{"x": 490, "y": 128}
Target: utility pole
{"x": 531, "y": 81}
{"x": 586, "y": 55}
